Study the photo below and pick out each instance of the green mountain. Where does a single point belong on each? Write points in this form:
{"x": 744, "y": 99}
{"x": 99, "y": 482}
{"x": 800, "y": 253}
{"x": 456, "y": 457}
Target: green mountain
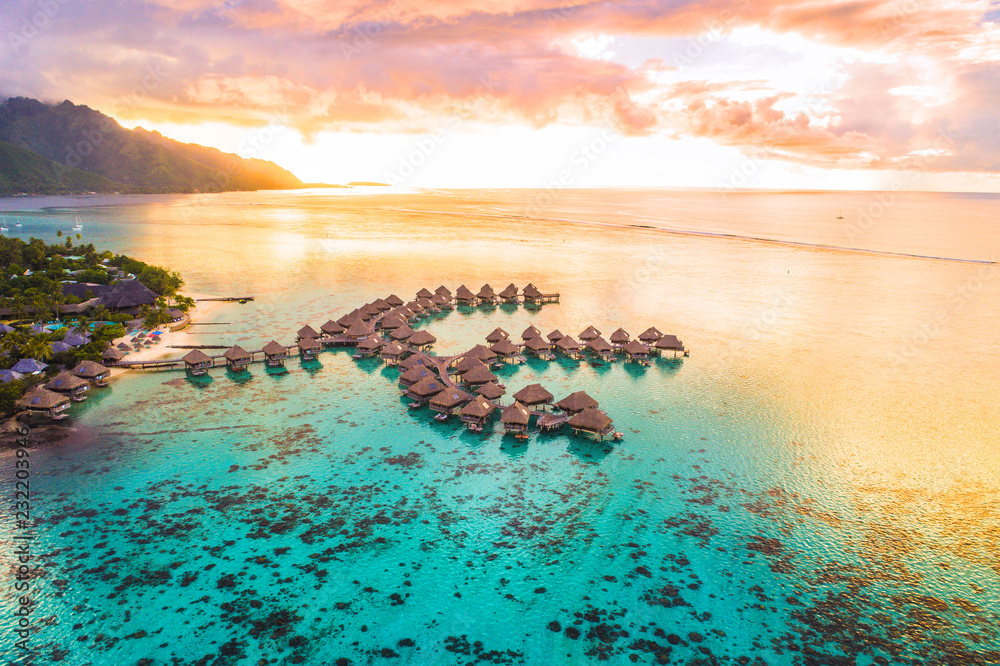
{"x": 23, "y": 171}
{"x": 80, "y": 139}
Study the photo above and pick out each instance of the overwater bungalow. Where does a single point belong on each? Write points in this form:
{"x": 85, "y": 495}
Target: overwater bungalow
{"x": 421, "y": 340}
{"x": 497, "y": 335}
{"x": 369, "y": 346}
{"x": 369, "y": 311}
{"x": 415, "y": 307}
{"x": 359, "y": 330}
{"x": 419, "y": 359}
{"x": 505, "y": 350}
{"x": 275, "y": 354}
{"x": 94, "y": 372}
{"x": 575, "y": 403}
{"x": 416, "y": 374}
{"x": 465, "y": 296}
{"x": 555, "y": 336}
{"x": 670, "y": 343}
{"x": 491, "y": 391}
{"x": 423, "y": 390}
{"x": 530, "y": 332}
{"x": 441, "y": 301}
{"x": 382, "y": 305}
{"x": 593, "y": 421}
{"x": 238, "y": 358}
{"x": 534, "y": 395}
{"x": 515, "y": 419}
{"x": 589, "y": 333}
{"x": 45, "y": 403}
{"x": 477, "y": 412}
{"x": 394, "y": 300}
{"x": 308, "y": 348}
{"x": 465, "y": 364}
{"x": 331, "y": 328}
{"x": 482, "y": 353}
{"x": 447, "y": 401}
{"x": 620, "y": 338}
{"x": 424, "y": 293}
{"x": 532, "y": 295}
{"x": 478, "y": 376}
{"x": 487, "y": 295}
{"x": 306, "y": 331}
{"x": 636, "y": 351}
{"x": 402, "y": 333}
{"x": 427, "y": 305}
{"x": 443, "y": 291}
{"x": 197, "y": 362}
{"x": 650, "y": 335}
{"x": 540, "y": 348}
{"x": 601, "y": 348}
{"x": 568, "y": 346}
{"x": 509, "y": 294}
{"x": 391, "y": 322}
{"x": 69, "y": 385}
{"x": 404, "y": 312}
{"x": 393, "y": 352}
{"x": 349, "y": 318}
{"x": 111, "y": 355}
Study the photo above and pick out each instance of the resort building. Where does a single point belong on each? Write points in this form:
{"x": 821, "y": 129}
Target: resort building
{"x": 636, "y": 351}
{"x": 197, "y": 362}
{"x": 650, "y": 335}
{"x": 238, "y": 358}
{"x": 424, "y": 293}
{"x": 487, "y": 295}
{"x": 402, "y": 333}
{"x": 478, "y": 376}
{"x": 482, "y": 353}
{"x": 112, "y": 355}
{"x": 515, "y": 419}
{"x": 370, "y": 345}
{"x": 419, "y": 359}
{"x": 423, "y": 390}
{"x": 529, "y": 333}
{"x": 491, "y": 391}
{"x": 394, "y": 300}
{"x": 555, "y": 336}
{"x": 443, "y": 291}
{"x": 94, "y": 372}
{"x": 497, "y": 335}
{"x": 505, "y": 350}
{"x": 421, "y": 340}
{"x": 393, "y": 352}
{"x": 308, "y": 348}
{"x": 590, "y": 333}
{"x": 670, "y": 343}
{"x": 44, "y": 403}
{"x": 620, "y": 338}
{"x": 359, "y": 330}
{"x": 331, "y": 328}
{"x": 509, "y": 294}
{"x": 534, "y": 395}
{"x": 593, "y": 421}
{"x": 441, "y": 301}
{"x": 575, "y": 403}
{"x": 29, "y": 366}
{"x": 465, "y": 296}
{"x": 305, "y": 332}
{"x": 477, "y": 412}
{"x": 448, "y": 400}
{"x": 601, "y": 347}
{"x": 540, "y": 348}
{"x": 69, "y": 385}
{"x": 275, "y": 354}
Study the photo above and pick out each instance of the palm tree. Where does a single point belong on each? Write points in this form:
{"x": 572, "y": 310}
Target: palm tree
{"x": 37, "y": 347}
{"x": 12, "y": 342}
{"x": 82, "y": 325}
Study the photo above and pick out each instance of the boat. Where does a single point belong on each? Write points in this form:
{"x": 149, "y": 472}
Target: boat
{"x": 77, "y": 226}
{"x": 3, "y": 226}
{"x": 840, "y": 215}
{"x": 18, "y": 223}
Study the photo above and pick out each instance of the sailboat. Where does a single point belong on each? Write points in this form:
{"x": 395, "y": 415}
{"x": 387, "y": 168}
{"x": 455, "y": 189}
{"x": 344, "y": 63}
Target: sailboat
{"x": 840, "y": 215}
{"x": 18, "y": 223}
{"x": 3, "y": 226}
{"x": 77, "y": 226}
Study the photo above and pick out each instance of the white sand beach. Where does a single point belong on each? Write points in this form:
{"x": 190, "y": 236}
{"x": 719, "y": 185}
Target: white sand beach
{"x": 163, "y": 350}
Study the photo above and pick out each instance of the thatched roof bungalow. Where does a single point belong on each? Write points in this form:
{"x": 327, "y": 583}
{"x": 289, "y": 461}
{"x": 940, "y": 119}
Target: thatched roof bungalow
{"x": 424, "y": 293}
{"x": 275, "y": 354}
{"x": 394, "y": 300}
{"x": 593, "y": 421}
{"x": 620, "y": 338}
{"x": 482, "y": 353}
{"x": 487, "y": 295}
{"x": 534, "y": 395}
{"x": 669, "y": 343}
{"x": 636, "y": 351}
{"x": 515, "y": 419}
{"x": 575, "y": 403}
{"x": 370, "y": 345}
{"x": 505, "y": 349}
{"x": 650, "y": 335}
{"x": 393, "y": 352}
{"x": 421, "y": 339}
{"x": 497, "y": 335}
{"x": 478, "y": 375}
{"x": 91, "y": 371}
{"x": 464, "y": 295}
{"x": 70, "y": 385}
{"x": 509, "y": 294}
{"x": 600, "y": 346}
{"x": 197, "y": 362}
{"x": 238, "y": 358}
{"x": 449, "y": 400}
{"x": 402, "y": 333}
{"x": 306, "y": 331}
{"x": 589, "y": 334}
{"x": 530, "y": 332}
{"x": 331, "y": 328}
{"x": 555, "y": 336}
{"x": 44, "y": 402}
{"x": 491, "y": 391}
{"x": 476, "y": 412}
{"x": 424, "y": 389}
{"x": 308, "y": 348}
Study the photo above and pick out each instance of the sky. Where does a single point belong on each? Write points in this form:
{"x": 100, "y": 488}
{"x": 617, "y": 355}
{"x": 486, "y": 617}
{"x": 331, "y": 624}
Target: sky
{"x": 856, "y": 94}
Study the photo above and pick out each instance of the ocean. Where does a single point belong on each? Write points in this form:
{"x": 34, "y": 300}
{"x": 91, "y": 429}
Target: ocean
{"x": 815, "y": 484}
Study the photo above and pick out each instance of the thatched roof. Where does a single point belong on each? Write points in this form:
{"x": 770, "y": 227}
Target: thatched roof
{"x": 274, "y": 348}
{"x": 9, "y": 376}
{"x": 440, "y": 299}
{"x": 533, "y": 394}
{"x": 576, "y": 402}
{"x": 196, "y": 357}
{"x": 416, "y": 373}
{"x": 537, "y": 344}
{"x": 450, "y": 398}
{"x": 401, "y": 333}
{"x": 530, "y": 332}
{"x": 620, "y": 337}
{"x": 424, "y": 293}
{"x": 651, "y": 334}
{"x": 66, "y": 381}
{"x": 414, "y": 307}
{"x": 482, "y": 353}
{"x": 393, "y": 349}
{"x": 404, "y": 312}
{"x": 531, "y": 291}
{"x": 463, "y": 293}
{"x": 468, "y": 363}
{"x": 600, "y": 345}
{"x": 516, "y": 414}
{"x": 124, "y": 347}
{"x": 382, "y": 304}
{"x": 568, "y": 344}
{"x": 351, "y": 317}
{"x": 359, "y": 329}
{"x": 497, "y": 335}
{"x": 394, "y": 300}
{"x": 112, "y": 354}
{"x": 90, "y": 370}
{"x": 486, "y": 292}
{"x": 510, "y": 291}
{"x": 490, "y": 391}
{"x": 308, "y": 344}
{"x": 670, "y": 342}
{"x": 39, "y": 398}
{"x": 555, "y": 336}
{"x": 332, "y": 328}
{"x": 443, "y": 291}
{"x": 419, "y": 359}
{"x": 426, "y": 387}
{"x": 589, "y": 333}
{"x": 635, "y": 347}
{"x": 307, "y": 331}
{"x": 391, "y": 321}
{"x": 591, "y": 420}
{"x": 425, "y": 303}
{"x": 237, "y": 353}
{"x": 478, "y": 375}
{"x": 371, "y": 343}
{"x": 478, "y": 408}
{"x": 504, "y": 348}
{"x": 127, "y": 294}
{"x": 421, "y": 338}
{"x": 369, "y": 310}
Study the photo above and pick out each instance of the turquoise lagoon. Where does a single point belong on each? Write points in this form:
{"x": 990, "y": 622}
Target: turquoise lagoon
{"x": 815, "y": 484}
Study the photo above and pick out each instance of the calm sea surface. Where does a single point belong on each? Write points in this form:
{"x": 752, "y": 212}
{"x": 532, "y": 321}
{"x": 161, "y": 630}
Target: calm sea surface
{"x": 816, "y": 484}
